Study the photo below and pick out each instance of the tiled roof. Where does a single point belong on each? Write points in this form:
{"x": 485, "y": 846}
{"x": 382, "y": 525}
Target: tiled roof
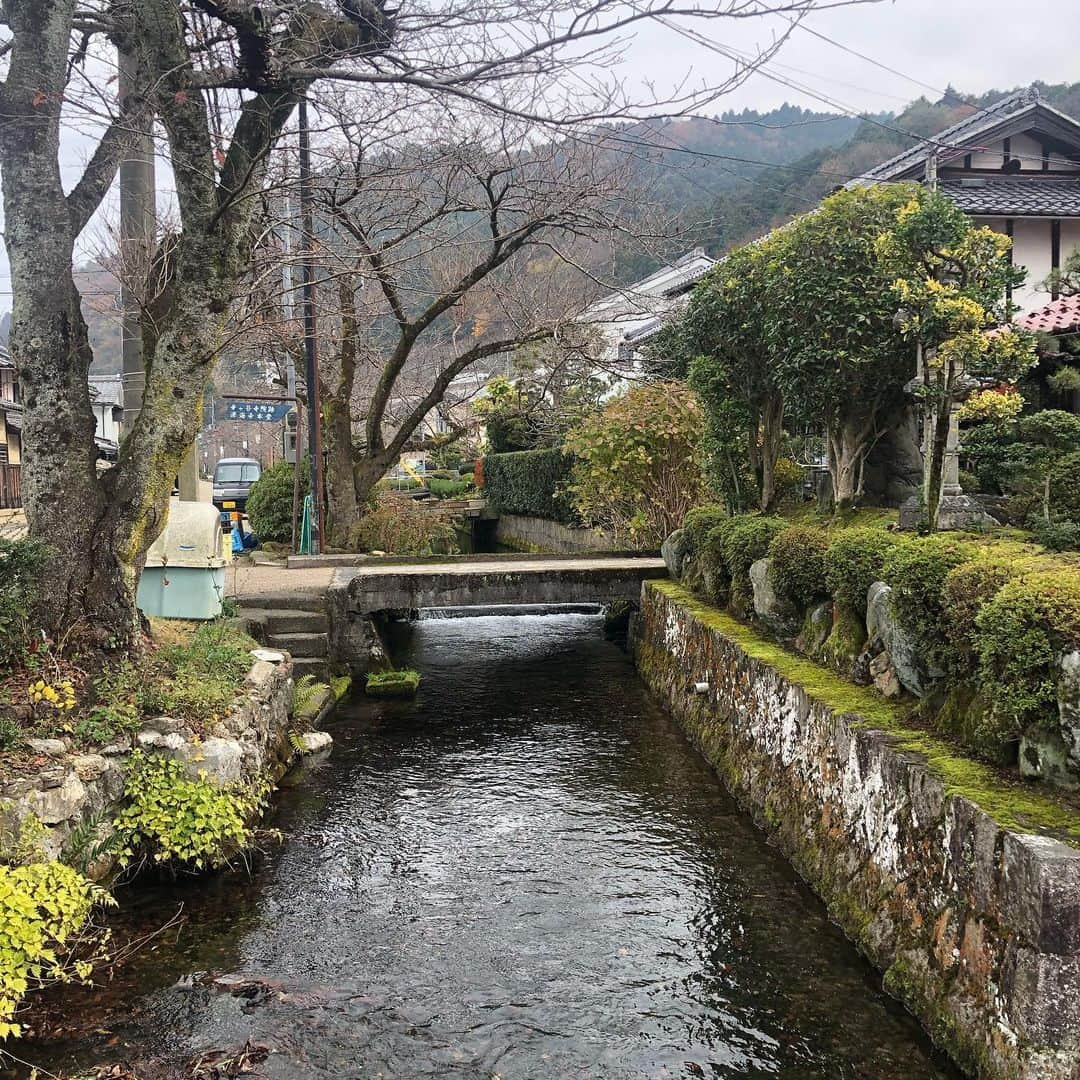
{"x": 964, "y": 133}
{"x": 1015, "y": 197}
{"x": 1057, "y": 317}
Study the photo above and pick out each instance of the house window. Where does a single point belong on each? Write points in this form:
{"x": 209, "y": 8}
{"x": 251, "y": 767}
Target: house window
{"x": 3, "y": 453}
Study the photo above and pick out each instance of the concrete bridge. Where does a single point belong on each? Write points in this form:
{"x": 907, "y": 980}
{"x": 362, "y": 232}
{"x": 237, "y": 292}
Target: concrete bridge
{"x": 358, "y": 595}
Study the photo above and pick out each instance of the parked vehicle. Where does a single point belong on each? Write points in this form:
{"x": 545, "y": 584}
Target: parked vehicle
{"x": 233, "y": 478}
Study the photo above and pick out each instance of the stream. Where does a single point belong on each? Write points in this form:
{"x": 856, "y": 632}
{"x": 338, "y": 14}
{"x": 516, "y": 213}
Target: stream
{"x": 526, "y": 873}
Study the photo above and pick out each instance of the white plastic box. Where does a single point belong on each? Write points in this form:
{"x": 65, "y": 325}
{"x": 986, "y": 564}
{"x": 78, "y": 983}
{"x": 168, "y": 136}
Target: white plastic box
{"x": 184, "y": 577}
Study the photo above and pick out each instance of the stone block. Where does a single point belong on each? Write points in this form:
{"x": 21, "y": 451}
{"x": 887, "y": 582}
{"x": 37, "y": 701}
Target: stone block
{"x": 60, "y": 802}
{"x": 316, "y": 742}
{"x": 1041, "y": 892}
{"x": 673, "y": 551}
{"x": 49, "y": 747}
{"x": 777, "y": 613}
{"x": 913, "y": 673}
{"x": 220, "y": 761}
{"x": 89, "y": 767}
{"x": 1043, "y": 995}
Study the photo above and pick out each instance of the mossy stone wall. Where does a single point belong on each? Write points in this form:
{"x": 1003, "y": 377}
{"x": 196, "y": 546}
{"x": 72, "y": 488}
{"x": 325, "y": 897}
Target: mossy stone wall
{"x": 967, "y": 898}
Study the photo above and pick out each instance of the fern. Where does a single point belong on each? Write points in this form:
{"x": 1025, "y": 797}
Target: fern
{"x": 296, "y": 741}
{"x": 87, "y": 843}
{"x": 305, "y": 692}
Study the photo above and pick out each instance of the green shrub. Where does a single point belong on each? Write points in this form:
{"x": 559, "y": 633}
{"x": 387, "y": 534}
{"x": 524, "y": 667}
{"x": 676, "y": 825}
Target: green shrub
{"x": 1021, "y": 633}
{"x": 745, "y": 540}
{"x": 44, "y": 908}
{"x": 447, "y": 489}
{"x": 854, "y": 560}
{"x": 1058, "y": 534}
{"x": 403, "y": 527}
{"x": 798, "y": 563}
{"x": 21, "y": 562}
{"x": 530, "y": 482}
{"x": 789, "y": 479}
{"x": 967, "y": 588}
{"x": 699, "y": 522}
{"x": 392, "y": 684}
{"x": 916, "y": 572}
{"x": 185, "y": 823}
{"x": 270, "y": 501}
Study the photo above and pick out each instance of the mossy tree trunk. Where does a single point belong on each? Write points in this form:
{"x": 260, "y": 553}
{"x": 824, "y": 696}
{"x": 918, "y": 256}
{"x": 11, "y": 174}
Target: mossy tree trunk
{"x": 98, "y": 529}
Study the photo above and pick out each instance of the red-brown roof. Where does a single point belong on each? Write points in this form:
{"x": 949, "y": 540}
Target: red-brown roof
{"x": 1057, "y": 317}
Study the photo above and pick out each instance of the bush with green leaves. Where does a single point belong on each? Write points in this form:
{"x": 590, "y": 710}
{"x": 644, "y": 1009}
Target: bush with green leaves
{"x": 916, "y": 572}
{"x": 968, "y": 586}
{"x": 531, "y": 483}
{"x": 1057, "y": 534}
{"x": 270, "y": 501}
{"x": 1065, "y": 487}
{"x": 797, "y": 566}
{"x": 172, "y": 819}
{"x": 854, "y": 560}
{"x": 44, "y": 909}
{"x": 699, "y": 522}
{"x": 1021, "y": 634}
{"x": 447, "y": 489}
{"x": 745, "y": 540}
{"x": 20, "y": 563}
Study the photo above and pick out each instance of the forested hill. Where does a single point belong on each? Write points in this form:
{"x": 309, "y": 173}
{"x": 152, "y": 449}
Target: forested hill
{"x": 774, "y": 195}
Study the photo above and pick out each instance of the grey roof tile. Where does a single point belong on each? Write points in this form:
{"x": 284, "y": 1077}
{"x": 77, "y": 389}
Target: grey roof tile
{"x": 1015, "y": 197}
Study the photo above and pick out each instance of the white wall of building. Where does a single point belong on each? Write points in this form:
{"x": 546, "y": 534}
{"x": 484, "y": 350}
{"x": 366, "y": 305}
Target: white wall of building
{"x": 1032, "y": 250}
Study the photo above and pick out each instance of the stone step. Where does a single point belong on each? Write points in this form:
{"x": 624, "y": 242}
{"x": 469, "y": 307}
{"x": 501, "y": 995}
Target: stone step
{"x": 318, "y": 666}
{"x": 302, "y": 645}
{"x": 284, "y": 601}
{"x": 289, "y": 622}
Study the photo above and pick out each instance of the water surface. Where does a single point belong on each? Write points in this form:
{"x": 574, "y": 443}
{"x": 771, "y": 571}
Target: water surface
{"x": 526, "y": 873}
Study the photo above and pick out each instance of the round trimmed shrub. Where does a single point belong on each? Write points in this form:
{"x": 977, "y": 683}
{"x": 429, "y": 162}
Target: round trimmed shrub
{"x": 745, "y": 540}
{"x": 798, "y": 563}
{"x": 699, "y": 522}
{"x": 916, "y": 572}
{"x": 1020, "y": 634}
{"x": 968, "y": 587}
{"x": 270, "y": 502}
{"x": 854, "y": 560}
{"x": 789, "y": 479}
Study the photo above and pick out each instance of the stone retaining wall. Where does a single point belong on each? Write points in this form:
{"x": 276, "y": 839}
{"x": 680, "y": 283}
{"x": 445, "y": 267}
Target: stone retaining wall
{"x": 541, "y": 535}
{"x": 250, "y": 742}
{"x": 976, "y": 926}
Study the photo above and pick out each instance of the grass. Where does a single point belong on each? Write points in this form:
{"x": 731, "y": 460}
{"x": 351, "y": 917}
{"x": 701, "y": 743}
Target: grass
{"x": 392, "y": 684}
{"x": 1011, "y": 802}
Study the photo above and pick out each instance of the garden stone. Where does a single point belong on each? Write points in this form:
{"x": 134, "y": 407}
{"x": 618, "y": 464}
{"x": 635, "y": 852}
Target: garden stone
{"x": 673, "y": 550}
{"x": 1069, "y": 705}
{"x": 270, "y": 656}
{"x": 51, "y": 778}
{"x": 19, "y": 786}
{"x": 164, "y": 725}
{"x": 1044, "y": 755}
{"x": 884, "y": 675}
{"x": 914, "y": 674}
{"x": 89, "y": 766}
{"x": 153, "y": 740}
{"x": 59, "y": 802}
{"x": 771, "y": 608}
{"x": 115, "y": 750}
{"x": 217, "y": 760}
{"x": 48, "y": 747}
{"x": 316, "y": 741}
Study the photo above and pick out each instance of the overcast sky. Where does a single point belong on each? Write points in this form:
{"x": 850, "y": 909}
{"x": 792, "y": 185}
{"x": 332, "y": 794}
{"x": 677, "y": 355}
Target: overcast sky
{"x": 975, "y": 45}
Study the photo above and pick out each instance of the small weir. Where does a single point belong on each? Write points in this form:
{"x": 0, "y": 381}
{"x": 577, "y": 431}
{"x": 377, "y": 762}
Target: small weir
{"x": 525, "y": 873}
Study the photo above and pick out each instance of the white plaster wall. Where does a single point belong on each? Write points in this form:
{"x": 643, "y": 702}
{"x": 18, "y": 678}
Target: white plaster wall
{"x": 1026, "y": 148}
{"x": 1031, "y": 249}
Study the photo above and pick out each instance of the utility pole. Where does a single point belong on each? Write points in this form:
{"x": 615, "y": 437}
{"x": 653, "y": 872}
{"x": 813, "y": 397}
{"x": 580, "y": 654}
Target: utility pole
{"x": 311, "y": 355}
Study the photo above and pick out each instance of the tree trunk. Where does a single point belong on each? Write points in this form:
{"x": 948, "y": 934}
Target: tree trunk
{"x": 368, "y": 470}
{"x": 772, "y": 433}
{"x": 340, "y": 486}
{"x": 847, "y": 457}
{"x": 941, "y": 417}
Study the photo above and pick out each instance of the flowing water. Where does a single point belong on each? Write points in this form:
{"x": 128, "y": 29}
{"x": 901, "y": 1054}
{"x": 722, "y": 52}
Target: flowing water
{"x": 526, "y": 873}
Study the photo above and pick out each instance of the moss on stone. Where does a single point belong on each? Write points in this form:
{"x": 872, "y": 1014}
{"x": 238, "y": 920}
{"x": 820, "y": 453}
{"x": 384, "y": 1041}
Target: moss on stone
{"x": 392, "y": 684}
{"x": 1012, "y": 803}
{"x": 845, "y": 641}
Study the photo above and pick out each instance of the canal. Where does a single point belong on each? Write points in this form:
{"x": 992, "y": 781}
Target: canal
{"x": 526, "y": 873}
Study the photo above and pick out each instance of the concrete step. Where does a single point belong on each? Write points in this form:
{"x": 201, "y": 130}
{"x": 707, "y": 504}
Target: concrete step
{"x": 283, "y": 601}
{"x": 318, "y": 666}
{"x": 289, "y": 622}
{"x": 301, "y": 645}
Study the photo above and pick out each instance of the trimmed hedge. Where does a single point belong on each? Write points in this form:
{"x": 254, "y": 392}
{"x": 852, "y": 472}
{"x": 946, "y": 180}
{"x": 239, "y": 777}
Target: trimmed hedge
{"x": 1021, "y": 634}
{"x": 916, "y": 572}
{"x": 270, "y": 501}
{"x": 854, "y": 561}
{"x": 798, "y": 563}
{"x": 530, "y": 482}
{"x": 699, "y": 522}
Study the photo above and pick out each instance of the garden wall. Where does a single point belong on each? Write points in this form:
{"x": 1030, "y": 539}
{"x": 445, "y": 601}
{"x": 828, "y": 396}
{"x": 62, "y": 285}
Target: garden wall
{"x": 975, "y": 922}
{"x": 73, "y": 789}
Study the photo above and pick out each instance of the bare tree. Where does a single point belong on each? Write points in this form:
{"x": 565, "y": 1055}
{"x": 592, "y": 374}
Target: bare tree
{"x": 221, "y": 78}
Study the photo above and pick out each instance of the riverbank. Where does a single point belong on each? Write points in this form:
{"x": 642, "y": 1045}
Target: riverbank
{"x": 962, "y": 891}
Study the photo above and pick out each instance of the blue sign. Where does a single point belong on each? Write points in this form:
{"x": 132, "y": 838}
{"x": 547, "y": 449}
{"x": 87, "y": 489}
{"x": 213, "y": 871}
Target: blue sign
{"x": 269, "y": 412}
